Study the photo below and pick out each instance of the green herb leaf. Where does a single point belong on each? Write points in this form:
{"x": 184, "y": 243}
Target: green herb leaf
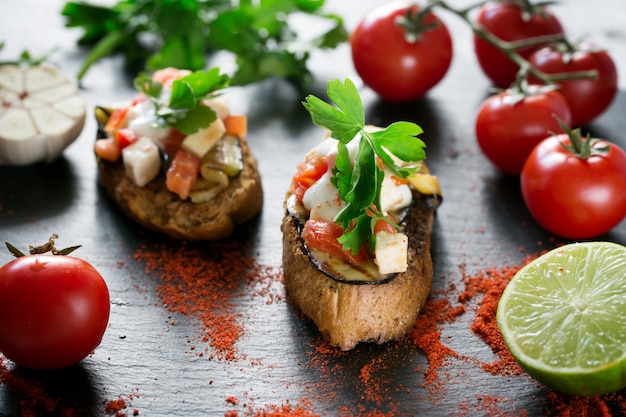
{"x": 359, "y": 182}
{"x": 399, "y": 139}
{"x": 344, "y": 122}
{"x": 184, "y": 111}
{"x": 181, "y": 34}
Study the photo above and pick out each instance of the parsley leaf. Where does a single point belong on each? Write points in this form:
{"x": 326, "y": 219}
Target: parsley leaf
{"x": 359, "y": 182}
{"x": 155, "y": 34}
{"x": 184, "y": 110}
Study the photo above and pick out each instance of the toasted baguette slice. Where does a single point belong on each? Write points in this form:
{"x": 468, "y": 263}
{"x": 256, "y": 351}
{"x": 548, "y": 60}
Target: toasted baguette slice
{"x": 348, "y": 313}
{"x": 156, "y": 208}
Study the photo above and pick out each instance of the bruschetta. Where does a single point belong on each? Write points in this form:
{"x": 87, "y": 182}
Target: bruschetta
{"x": 374, "y": 291}
{"x": 176, "y": 160}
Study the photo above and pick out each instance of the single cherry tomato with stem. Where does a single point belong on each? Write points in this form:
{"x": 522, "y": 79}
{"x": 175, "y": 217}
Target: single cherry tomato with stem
{"x": 588, "y": 97}
{"x": 54, "y": 308}
{"x": 511, "y": 123}
{"x": 575, "y": 187}
{"x": 401, "y": 51}
{"x": 514, "y": 23}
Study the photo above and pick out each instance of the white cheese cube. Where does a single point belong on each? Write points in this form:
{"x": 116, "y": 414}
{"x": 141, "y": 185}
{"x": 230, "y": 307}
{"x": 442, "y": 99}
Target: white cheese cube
{"x": 322, "y": 199}
{"x": 391, "y": 252}
{"x": 219, "y": 105}
{"x": 203, "y": 140}
{"x": 141, "y": 161}
{"x": 394, "y": 196}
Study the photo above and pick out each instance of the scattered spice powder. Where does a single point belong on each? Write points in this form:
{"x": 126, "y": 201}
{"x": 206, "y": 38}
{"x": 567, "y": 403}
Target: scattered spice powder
{"x": 426, "y": 335}
{"x": 116, "y": 407}
{"x": 491, "y": 282}
{"x": 195, "y": 283}
{"x": 200, "y": 282}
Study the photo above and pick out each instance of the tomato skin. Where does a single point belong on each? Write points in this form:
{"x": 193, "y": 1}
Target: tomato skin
{"x": 572, "y": 197}
{"x": 396, "y": 70}
{"x": 505, "y": 21}
{"x": 507, "y": 132}
{"x": 54, "y": 310}
{"x": 321, "y": 235}
{"x": 588, "y": 98}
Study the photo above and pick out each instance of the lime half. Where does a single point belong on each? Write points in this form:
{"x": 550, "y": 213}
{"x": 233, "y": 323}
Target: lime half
{"x": 563, "y": 317}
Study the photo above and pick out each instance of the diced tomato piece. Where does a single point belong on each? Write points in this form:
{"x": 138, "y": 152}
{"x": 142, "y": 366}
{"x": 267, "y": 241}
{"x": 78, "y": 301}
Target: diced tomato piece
{"x": 382, "y": 225}
{"x": 399, "y": 181}
{"x": 138, "y": 99}
{"x": 107, "y": 149}
{"x": 126, "y": 137}
{"x": 116, "y": 120}
{"x": 321, "y": 235}
{"x": 167, "y": 76}
{"x": 182, "y": 173}
{"x": 172, "y": 142}
{"x": 236, "y": 125}
{"x": 308, "y": 173}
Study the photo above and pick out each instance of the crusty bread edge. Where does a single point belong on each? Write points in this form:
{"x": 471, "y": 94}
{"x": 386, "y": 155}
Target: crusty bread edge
{"x": 347, "y": 314}
{"x": 156, "y": 208}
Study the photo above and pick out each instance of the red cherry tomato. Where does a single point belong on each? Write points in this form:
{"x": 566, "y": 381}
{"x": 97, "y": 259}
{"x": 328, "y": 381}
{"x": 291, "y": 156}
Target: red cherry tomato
{"x": 573, "y": 197}
{"x": 396, "y": 69}
{"x": 54, "y": 310}
{"x": 507, "y": 129}
{"x": 507, "y": 22}
{"x": 587, "y": 97}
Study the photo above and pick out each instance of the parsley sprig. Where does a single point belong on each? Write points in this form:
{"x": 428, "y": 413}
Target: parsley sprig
{"x": 184, "y": 110}
{"x": 154, "y": 34}
{"x": 359, "y": 182}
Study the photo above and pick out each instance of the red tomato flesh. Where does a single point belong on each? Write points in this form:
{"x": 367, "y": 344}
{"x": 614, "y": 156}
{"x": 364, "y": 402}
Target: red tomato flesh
{"x": 308, "y": 173}
{"x": 182, "y": 173}
{"x": 321, "y": 235}
{"x": 126, "y": 137}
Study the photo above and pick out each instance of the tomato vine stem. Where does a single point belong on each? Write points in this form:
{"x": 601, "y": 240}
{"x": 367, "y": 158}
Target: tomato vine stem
{"x": 510, "y": 48}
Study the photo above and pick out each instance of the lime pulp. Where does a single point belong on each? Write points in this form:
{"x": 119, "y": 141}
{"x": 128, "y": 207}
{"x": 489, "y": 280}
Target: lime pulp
{"x": 563, "y": 317}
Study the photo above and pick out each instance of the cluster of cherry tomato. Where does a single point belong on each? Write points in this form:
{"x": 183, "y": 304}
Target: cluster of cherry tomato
{"x": 559, "y": 87}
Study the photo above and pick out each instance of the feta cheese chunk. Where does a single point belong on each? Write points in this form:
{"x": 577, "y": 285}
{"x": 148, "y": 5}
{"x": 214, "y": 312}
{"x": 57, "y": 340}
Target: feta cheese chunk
{"x": 141, "y": 161}
{"x": 142, "y": 120}
{"x": 322, "y": 199}
{"x": 391, "y": 252}
{"x": 203, "y": 140}
{"x": 394, "y": 196}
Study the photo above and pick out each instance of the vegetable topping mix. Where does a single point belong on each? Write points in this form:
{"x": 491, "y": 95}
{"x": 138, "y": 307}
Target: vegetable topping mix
{"x": 355, "y": 184}
{"x": 180, "y": 122}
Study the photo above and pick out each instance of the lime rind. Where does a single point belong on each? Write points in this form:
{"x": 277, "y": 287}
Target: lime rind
{"x": 563, "y": 317}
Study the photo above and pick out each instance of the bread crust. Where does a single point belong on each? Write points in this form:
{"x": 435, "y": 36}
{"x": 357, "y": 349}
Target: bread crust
{"x": 349, "y": 313}
{"x": 155, "y": 207}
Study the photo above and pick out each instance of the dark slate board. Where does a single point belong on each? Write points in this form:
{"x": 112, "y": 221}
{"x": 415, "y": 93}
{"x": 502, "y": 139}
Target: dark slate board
{"x": 156, "y": 361}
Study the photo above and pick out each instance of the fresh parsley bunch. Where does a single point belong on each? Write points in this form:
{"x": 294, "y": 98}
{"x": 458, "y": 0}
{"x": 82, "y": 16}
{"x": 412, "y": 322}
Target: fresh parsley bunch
{"x": 155, "y": 34}
{"x": 184, "y": 110}
{"x": 359, "y": 184}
